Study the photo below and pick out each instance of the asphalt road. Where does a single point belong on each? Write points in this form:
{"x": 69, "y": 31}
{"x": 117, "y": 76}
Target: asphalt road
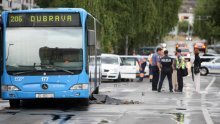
{"x": 188, "y": 107}
{"x": 140, "y": 105}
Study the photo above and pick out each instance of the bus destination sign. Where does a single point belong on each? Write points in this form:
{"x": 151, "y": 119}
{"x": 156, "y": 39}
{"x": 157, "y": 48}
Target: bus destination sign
{"x": 44, "y": 20}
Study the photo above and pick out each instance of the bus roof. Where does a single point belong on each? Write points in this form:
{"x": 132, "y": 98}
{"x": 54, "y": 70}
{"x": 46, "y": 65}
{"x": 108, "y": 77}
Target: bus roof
{"x": 50, "y": 10}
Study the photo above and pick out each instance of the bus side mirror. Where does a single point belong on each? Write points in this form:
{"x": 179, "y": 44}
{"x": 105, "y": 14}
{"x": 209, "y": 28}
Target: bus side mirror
{"x": 91, "y": 37}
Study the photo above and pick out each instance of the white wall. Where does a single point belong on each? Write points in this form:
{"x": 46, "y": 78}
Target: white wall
{"x": 189, "y": 15}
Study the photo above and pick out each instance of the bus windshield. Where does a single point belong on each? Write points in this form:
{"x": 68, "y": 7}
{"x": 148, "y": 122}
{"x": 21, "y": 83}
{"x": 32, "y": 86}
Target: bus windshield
{"x": 43, "y": 49}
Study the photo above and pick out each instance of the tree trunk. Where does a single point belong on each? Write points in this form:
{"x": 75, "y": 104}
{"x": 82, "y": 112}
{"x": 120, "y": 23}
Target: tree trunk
{"x": 126, "y": 45}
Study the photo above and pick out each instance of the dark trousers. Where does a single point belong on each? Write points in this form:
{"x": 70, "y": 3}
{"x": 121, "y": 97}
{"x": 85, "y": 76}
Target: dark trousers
{"x": 162, "y": 77}
{"x": 155, "y": 80}
{"x": 180, "y": 80}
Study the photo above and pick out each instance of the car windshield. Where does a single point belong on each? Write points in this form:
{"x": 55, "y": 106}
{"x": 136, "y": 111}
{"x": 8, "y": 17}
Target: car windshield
{"x": 32, "y": 48}
{"x": 184, "y": 50}
{"x": 109, "y": 60}
{"x": 181, "y": 44}
{"x": 129, "y": 61}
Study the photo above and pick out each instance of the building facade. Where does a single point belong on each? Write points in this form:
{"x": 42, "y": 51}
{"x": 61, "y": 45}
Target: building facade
{"x": 17, "y": 4}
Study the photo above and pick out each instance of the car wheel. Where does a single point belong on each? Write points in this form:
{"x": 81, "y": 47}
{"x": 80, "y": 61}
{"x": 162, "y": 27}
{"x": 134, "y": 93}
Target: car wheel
{"x": 14, "y": 103}
{"x": 204, "y": 71}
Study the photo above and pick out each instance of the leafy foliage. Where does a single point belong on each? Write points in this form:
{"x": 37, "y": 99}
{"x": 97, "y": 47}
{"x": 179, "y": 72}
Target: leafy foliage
{"x": 183, "y": 26}
{"x": 207, "y": 23}
{"x": 144, "y": 22}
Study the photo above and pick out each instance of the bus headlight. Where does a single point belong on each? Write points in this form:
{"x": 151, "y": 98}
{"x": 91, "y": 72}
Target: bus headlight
{"x": 79, "y": 87}
{"x": 10, "y": 88}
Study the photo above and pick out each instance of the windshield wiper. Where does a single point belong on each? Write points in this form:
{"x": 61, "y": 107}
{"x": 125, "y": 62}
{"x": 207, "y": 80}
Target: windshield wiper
{"x": 46, "y": 66}
{"x": 23, "y": 72}
{"x": 56, "y": 68}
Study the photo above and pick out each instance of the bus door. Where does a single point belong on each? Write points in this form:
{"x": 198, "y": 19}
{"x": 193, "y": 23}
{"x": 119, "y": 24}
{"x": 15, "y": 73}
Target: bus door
{"x": 128, "y": 68}
{"x": 1, "y": 52}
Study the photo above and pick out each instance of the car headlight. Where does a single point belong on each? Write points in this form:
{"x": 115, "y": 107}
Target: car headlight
{"x": 79, "y": 87}
{"x": 10, "y": 88}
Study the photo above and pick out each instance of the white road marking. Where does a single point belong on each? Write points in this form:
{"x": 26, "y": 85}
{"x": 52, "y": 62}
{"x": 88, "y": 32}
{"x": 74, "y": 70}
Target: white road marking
{"x": 213, "y": 80}
{"x": 128, "y": 90}
{"x": 205, "y": 112}
{"x": 207, "y": 116}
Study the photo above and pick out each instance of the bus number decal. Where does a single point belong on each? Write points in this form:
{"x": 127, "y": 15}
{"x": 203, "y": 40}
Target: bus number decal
{"x": 16, "y": 19}
{"x": 44, "y": 79}
{"x": 18, "y": 79}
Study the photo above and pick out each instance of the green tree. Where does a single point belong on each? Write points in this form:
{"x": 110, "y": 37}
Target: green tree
{"x": 183, "y": 26}
{"x": 207, "y": 22}
{"x": 142, "y": 22}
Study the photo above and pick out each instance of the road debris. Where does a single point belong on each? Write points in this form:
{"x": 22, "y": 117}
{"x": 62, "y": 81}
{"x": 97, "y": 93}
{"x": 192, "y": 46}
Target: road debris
{"x": 105, "y": 99}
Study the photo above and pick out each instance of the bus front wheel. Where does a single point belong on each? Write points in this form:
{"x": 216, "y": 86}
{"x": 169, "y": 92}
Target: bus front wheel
{"x": 14, "y": 103}
{"x": 84, "y": 102}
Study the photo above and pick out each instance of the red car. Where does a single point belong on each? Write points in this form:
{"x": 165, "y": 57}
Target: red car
{"x": 181, "y": 45}
{"x": 201, "y": 46}
{"x": 185, "y": 51}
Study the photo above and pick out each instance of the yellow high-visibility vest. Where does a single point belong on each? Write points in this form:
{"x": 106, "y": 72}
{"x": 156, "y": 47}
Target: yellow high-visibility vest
{"x": 181, "y": 64}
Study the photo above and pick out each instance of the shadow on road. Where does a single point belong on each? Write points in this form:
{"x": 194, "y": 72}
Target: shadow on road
{"x": 63, "y": 105}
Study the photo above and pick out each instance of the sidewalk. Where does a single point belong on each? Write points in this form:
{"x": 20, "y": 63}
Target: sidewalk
{"x": 3, "y": 101}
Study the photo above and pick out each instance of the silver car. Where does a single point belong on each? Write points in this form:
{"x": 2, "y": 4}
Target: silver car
{"x": 213, "y": 66}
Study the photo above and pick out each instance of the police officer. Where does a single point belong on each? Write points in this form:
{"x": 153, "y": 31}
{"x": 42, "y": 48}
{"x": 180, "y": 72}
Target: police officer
{"x": 180, "y": 64}
{"x": 166, "y": 70}
{"x": 156, "y": 68}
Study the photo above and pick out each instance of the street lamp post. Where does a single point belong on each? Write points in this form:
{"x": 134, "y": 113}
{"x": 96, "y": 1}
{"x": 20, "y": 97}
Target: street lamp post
{"x": 189, "y": 34}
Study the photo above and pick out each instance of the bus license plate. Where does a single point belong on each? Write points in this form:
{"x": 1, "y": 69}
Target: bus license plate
{"x": 44, "y": 95}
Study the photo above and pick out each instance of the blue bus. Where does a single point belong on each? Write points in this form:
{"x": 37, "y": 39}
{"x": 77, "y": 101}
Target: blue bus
{"x": 46, "y": 54}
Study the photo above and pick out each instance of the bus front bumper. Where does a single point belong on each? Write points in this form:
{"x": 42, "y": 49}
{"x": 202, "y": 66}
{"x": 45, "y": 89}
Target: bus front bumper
{"x": 7, "y": 95}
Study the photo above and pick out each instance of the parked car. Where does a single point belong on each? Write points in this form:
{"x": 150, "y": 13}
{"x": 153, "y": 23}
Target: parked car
{"x": 110, "y": 67}
{"x": 185, "y": 53}
{"x": 213, "y": 66}
{"x": 130, "y": 67}
{"x": 201, "y": 46}
{"x": 208, "y": 57}
{"x": 181, "y": 45}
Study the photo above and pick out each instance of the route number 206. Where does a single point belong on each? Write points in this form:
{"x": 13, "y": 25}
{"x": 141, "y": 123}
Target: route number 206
{"x": 16, "y": 19}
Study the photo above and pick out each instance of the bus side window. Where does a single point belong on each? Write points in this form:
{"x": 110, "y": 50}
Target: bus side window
{"x": 1, "y": 47}
{"x": 90, "y": 27}
{"x": 1, "y": 53}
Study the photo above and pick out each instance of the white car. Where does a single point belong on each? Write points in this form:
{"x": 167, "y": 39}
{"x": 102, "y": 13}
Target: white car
{"x": 130, "y": 67}
{"x": 212, "y": 66}
{"x": 110, "y": 67}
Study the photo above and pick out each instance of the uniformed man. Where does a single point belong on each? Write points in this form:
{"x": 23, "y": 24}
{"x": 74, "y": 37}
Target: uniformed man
{"x": 166, "y": 70}
{"x": 180, "y": 64}
{"x": 156, "y": 68}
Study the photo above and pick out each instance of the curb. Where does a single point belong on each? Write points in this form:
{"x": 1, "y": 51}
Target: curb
{"x": 3, "y": 101}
